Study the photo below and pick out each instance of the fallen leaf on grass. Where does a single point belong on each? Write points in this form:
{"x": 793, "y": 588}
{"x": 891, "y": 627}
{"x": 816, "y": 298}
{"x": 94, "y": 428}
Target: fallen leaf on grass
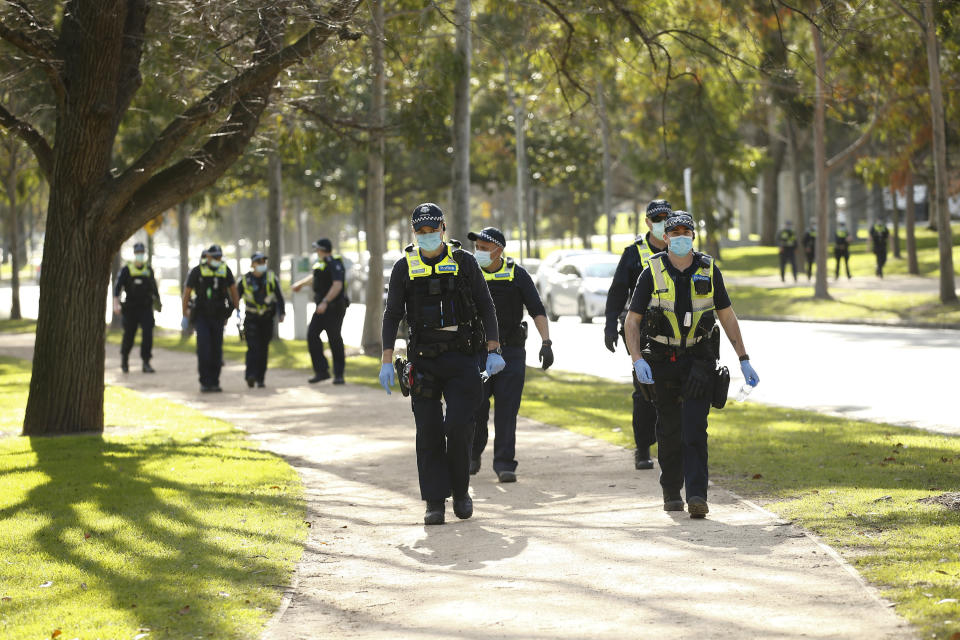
{"x": 275, "y": 486}
{"x": 757, "y": 476}
{"x": 884, "y": 499}
{"x": 83, "y": 585}
{"x": 184, "y": 611}
{"x": 46, "y": 584}
{"x": 890, "y": 459}
{"x": 56, "y": 632}
{"x": 86, "y": 536}
{"x": 6, "y": 599}
{"x": 955, "y": 636}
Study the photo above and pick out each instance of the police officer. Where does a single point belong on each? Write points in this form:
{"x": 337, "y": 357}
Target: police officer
{"x": 512, "y": 289}
{"x": 787, "y": 241}
{"x": 810, "y": 248}
{"x": 841, "y": 248}
{"x": 142, "y": 296}
{"x": 880, "y": 238}
{"x": 329, "y": 294}
{"x": 675, "y": 344}
{"x": 441, "y": 290}
{"x": 263, "y": 301}
{"x": 632, "y": 263}
{"x": 216, "y": 297}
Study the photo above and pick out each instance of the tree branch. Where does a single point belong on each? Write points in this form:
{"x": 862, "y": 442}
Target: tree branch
{"x": 131, "y": 53}
{"x": 26, "y": 132}
{"x": 902, "y": 9}
{"x": 42, "y": 52}
{"x": 234, "y": 90}
{"x": 840, "y": 159}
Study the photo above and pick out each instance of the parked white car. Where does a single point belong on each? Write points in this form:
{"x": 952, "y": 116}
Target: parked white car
{"x": 548, "y": 267}
{"x": 579, "y": 286}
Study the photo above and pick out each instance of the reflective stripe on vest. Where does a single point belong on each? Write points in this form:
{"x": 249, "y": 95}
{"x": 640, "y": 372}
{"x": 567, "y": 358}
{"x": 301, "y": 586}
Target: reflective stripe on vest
{"x": 503, "y": 274}
{"x": 269, "y": 299}
{"x": 139, "y": 272}
{"x": 417, "y": 268}
{"x": 207, "y": 272}
{"x": 645, "y": 253}
{"x": 665, "y": 298}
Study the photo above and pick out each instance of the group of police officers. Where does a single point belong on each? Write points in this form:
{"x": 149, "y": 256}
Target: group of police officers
{"x": 787, "y": 245}
{"x": 467, "y": 343}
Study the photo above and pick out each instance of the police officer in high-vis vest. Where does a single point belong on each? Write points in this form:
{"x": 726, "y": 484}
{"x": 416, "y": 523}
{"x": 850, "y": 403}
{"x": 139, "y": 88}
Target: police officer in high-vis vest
{"x": 632, "y": 263}
{"x": 675, "y": 343}
{"x": 137, "y": 281}
{"x": 512, "y": 289}
{"x": 330, "y": 296}
{"x": 216, "y": 297}
{"x": 841, "y": 248}
{"x": 880, "y": 239}
{"x": 451, "y": 317}
{"x": 810, "y": 248}
{"x": 262, "y": 301}
{"x": 787, "y": 244}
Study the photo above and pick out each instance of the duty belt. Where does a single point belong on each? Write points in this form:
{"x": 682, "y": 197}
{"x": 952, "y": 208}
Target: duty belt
{"x": 676, "y": 342}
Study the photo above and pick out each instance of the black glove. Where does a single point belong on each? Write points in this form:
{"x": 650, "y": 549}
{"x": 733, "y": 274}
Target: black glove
{"x": 700, "y": 380}
{"x": 546, "y": 355}
{"x": 610, "y": 338}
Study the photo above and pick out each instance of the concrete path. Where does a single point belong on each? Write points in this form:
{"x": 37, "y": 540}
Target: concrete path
{"x": 578, "y": 548}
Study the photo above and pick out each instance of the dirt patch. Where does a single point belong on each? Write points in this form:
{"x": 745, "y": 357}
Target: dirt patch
{"x": 949, "y": 500}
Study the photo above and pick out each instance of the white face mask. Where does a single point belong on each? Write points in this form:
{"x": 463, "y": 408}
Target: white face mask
{"x": 215, "y": 264}
{"x": 483, "y": 258}
{"x": 139, "y": 258}
{"x": 260, "y": 268}
{"x": 656, "y": 229}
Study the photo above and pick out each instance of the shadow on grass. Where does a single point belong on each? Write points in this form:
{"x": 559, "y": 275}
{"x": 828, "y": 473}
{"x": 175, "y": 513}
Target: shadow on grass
{"x": 148, "y": 543}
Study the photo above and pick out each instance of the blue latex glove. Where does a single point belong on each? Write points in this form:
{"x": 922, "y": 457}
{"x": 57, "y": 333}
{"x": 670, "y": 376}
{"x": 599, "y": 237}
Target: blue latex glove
{"x": 387, "y": 376}
{"x": 749, "y": 374}
{"x": 185, "y": 323}
{"x": 642, "y": 369}
{"x": 495, "y": 363}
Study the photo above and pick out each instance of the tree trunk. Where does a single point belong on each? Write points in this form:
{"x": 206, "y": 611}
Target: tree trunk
{"x": 607, "y": 163}
{"x": 13, "y": 235}
{"x": 376, "y": 227}
{"x": 820, "y": 166}
{"x": 183, "y": 240}
{"x": 895, "y": 236}
{"x": 534, "y": 216}
{"x": 275, "y": 211}
{"x": 799, "y": 219}
{"x": 911, "y": 223}
{"x": 520, "y": 133}
{"x": 460, "y": 219}
{"x": 945, "y": 236}
{"x": 771, "y": 192}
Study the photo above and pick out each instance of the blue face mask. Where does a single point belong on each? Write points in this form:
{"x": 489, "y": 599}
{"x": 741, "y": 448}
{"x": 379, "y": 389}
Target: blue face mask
{"x": 657, "y": 230}
{"x": 215, "y": 264}
{"x": 139, "y": 258}
{"x": 483, "y": 258}
{"x": 681, "y": 245}
{"x": 430, "y": 241}
{"x": 260, "y": 268}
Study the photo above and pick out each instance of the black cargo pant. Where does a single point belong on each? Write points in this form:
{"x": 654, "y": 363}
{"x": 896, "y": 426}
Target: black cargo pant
{"x": 444, "y": 439}
{"x": 788, "y": 256}
{"x": 842, "y": 254}
{"x": 681, "y": 430}
{"x": 209, "y": 349}
{"x": 507, "y": 388}
{"x": 330, "y": 321}
{"x": 881, "y": 255}
{"x": 258, "y": 332}
{"x": 644, "y": 412}
{"x": 811, "y": 259}
{"x": 134, "y": 317}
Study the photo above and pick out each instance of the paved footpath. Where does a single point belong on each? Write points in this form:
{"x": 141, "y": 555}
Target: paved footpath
{"x": 578, "y": 548}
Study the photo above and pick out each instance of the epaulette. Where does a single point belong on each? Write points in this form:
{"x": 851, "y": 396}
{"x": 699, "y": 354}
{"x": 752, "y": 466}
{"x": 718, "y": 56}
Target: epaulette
{"x": 510, "y": 263}
{"x": 705, "y": 260}
{"x": 454, "y": 243}
{"x": 408, "y": 248}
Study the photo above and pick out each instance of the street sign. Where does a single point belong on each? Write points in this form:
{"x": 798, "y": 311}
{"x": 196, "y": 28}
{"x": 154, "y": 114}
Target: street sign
{"x": 152, "y": 226}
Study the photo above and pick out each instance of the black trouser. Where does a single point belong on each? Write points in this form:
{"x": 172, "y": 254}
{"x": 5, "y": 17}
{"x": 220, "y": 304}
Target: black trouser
{"x": 329, "y": 321}
{"x": 881, "y": 260}
{"x": 444, "y": 441}
{"x": 644, "y": 413}
{"x": 507, "y": 387}
{"x": 810, "y": 260}
{"x": 788, "y": 255}
{"x": 132, "y": 318}
{"x": 842, "y": 254}
{"x": 209, "y": 349}
{"x": 681, "y": 430}
{"x": 258, "y": 332}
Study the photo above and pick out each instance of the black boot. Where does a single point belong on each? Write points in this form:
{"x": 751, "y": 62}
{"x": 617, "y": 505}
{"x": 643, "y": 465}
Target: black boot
{"x": 641, "y": 458}
{"x": 124, "y": 363}
{"x": 474, "y": 466}
{"x": 147, "y": 368}
{"x": 672, "y": 500}
{"x": 434, "y": 514}
{"x": 463, "y": 506}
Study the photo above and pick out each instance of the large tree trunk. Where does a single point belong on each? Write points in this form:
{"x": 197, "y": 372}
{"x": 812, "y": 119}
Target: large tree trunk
{"x": 13, "y": 234}
{"x": 911, "y": 223}
{"x": 520, "y": 133}
{"x": 820, "y": 166}
{"x": 607, "y": 163}
{"x": 799, "y": 218}
{"x": 275, "y": 211}
{"x": 460, "y": 219}
{"x": 945, "y": 236}
{"x": 376, "y": 228}
{"x": 183, "y": 240}
{"x": 771, "y": 173}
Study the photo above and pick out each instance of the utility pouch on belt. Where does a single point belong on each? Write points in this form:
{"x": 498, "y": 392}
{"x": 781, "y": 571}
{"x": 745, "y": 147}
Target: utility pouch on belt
{"x": 721, "y": 385}
{"x": 648, "y": 391}
{"x": 404, "y": 374}
{"x": 700, "y": 381}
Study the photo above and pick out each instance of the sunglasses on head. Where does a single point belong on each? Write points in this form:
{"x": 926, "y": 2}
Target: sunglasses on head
{"x": 660, "y": 217}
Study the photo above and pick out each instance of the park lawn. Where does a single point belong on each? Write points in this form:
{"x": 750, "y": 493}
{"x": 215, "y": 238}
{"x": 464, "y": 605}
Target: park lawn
{"x": 24, "y": 325}
{"x": 857, "y": 484}
{"x": 854, "y": 305}
{"x": 756, "y": 260}
{"x": 170, "y": 525}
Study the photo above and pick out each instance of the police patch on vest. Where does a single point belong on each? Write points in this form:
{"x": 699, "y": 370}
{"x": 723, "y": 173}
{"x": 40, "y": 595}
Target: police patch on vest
{"x": 446, "y": 267}
{"x": 420, "y": 270}
{"x": 505, "y": 274}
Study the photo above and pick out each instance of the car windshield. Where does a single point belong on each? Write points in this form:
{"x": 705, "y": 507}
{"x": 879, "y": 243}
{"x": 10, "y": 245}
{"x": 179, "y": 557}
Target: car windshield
{"x": 600, "y": 270}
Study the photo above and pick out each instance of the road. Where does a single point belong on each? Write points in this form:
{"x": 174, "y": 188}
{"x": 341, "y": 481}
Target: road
{"x": 886, "y": 374}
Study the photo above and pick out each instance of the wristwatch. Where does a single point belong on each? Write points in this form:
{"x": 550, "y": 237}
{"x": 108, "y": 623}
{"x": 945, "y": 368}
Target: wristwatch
{"x": 547, "y": 343}
{"x": 744, "y": 357}
{"x": 496, "y": 351}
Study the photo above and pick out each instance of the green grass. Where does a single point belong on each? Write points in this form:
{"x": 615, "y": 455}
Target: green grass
{"x": 847, "y": 305}
{"x": 175, "y": 523}
{"x": 18, "y": 326}
{"x": 755, "y": 260}
{"x": 855, "y": 483}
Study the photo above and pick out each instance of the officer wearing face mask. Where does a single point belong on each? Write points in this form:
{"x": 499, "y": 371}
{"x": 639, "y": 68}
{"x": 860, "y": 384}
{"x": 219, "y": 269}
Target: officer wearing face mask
{"x": 841, "y": 249}
{"x": 632, "y": 263}
{"x": 512, "y": 289}
{"x": 674, "y": 343}
{"x": 136, "y": 279}
{"x": 263, "y": 301}
{"x": 441, "y": 290}
{"x": 329, "y": 294}
{"x": 216, "y": 297}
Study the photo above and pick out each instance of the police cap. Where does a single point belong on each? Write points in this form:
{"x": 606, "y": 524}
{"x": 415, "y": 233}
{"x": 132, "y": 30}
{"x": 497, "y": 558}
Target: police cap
{"x": 323, "y": 243}
{"x": 139, "y": 248}
{"x": 426, "y": 215}
{"x": 257, "y": 256}
{"x": 489, "y": 234}
{"x": 658, "y": 208}
{"x": 679, "y": 219}
{"x": 214, "y": 251}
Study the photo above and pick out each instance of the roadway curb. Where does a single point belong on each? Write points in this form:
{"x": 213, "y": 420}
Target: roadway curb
{"x": 955, "y": 326}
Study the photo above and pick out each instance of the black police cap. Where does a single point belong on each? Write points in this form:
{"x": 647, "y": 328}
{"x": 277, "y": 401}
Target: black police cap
{"x": 679, "y": 219}
{"x": 658, "y": 207}
{"x": 426, "y": 215}
{"x": 139, "y": 248}
{"x": 214, "y": 251}
{"x": 489, "y": 234}
{"x": 323, "y": 243}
